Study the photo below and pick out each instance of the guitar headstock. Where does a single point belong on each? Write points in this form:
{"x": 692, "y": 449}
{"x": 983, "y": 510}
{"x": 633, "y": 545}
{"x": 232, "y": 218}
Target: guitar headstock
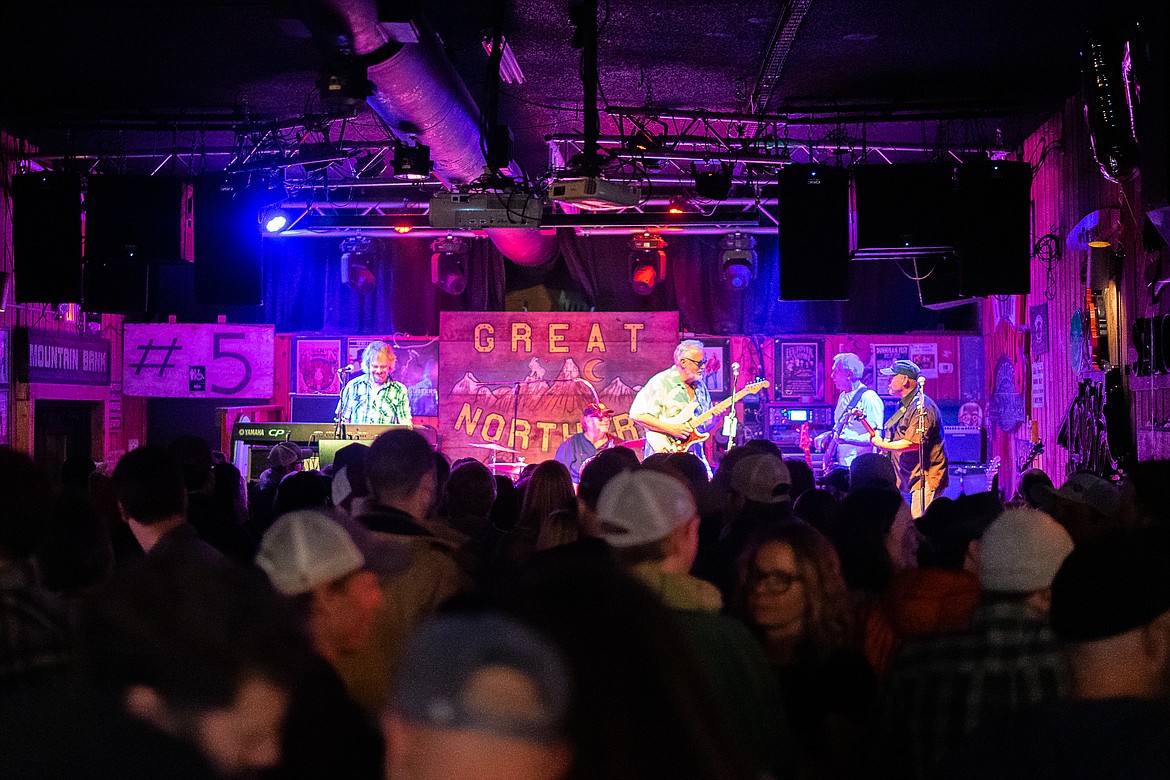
{"x": 756, "y": 386}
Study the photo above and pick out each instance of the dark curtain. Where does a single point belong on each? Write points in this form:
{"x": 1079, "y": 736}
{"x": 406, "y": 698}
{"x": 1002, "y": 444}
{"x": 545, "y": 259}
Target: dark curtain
{"x": 305, "y": 290}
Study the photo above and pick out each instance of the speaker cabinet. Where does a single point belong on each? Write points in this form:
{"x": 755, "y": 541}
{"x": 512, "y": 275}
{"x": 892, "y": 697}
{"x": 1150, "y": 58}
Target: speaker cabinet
{"x": 313, "y": 407}
{"x": 995, "y": 226}
{"x": 46, "y": 237}
{"x": 117, "y": 285}
{"x": 228, "y": 266}
{"x": 813, "y": 216}
{"x": 939, "y": 279}
{"x": 137, "y": 218}
{"x": 902, "y": 211}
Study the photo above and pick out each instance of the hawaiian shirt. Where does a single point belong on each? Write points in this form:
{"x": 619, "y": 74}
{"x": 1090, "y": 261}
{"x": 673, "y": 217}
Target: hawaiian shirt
{"x": 364, "y": 404}
{"x": 665, "y": 395}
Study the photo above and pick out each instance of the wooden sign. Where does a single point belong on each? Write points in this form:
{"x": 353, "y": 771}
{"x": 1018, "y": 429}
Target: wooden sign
{"x": 519, "y": 380}
{"x": 198, "y": 361}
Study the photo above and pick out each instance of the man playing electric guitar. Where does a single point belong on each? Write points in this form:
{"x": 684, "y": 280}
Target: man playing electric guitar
{"x": 848, "y": 439}
{"x": 667, "y": 394}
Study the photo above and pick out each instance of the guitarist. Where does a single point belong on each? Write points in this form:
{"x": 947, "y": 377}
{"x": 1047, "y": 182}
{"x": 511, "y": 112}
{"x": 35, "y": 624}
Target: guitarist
{"x": 849, "y": 438}
{"x": 667, "y": 393}
{"x": 909, "y": 448}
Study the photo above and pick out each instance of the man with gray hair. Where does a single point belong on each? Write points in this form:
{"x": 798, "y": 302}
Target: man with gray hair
{"x": 373, "y": 398}
{"x": 849, "y": 438}
{"x": 670, "y": 400}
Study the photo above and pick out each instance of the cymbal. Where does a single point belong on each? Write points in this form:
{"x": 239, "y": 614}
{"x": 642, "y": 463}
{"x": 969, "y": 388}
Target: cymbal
{"x": 633, "y": 444}
{"x": 494, "y": 447}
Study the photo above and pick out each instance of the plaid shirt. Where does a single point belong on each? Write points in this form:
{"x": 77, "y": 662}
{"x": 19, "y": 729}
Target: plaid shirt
{"x": 942, "y": 688}
{"x": 363, "y": 404}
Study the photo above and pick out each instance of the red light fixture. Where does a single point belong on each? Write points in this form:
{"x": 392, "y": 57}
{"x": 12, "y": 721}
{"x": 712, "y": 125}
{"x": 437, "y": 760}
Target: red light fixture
{"x": 647, "y": 262}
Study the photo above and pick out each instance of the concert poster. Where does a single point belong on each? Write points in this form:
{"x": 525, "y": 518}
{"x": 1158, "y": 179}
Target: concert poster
{"x": 417, "y": 367}
{"x": 884, "y": 356}
{"x": 798, "y": 366}
{"x": 925, "y": 356}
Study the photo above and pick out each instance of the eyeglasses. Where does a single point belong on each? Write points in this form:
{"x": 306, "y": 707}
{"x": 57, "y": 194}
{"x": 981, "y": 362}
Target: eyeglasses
{"x": 779, "y": 581}
{"x": 698, "y": 363}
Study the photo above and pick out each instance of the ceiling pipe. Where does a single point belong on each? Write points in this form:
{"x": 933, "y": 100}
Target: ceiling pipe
{"x": 417, "y": 91}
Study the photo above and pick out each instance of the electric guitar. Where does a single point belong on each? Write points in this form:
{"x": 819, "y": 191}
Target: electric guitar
{"x": 1025, "y": 463}
{"x": 661, "y": 442}
{"x": 829, "y": 451}
{"x": 806, "y": 444}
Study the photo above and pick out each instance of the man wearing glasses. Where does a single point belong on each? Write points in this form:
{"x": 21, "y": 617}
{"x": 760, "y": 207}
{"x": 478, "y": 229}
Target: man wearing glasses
{"x": 669, "y": 401}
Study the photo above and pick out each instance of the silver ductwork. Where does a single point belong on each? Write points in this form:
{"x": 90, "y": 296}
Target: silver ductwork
{"x": 417, "y": 91}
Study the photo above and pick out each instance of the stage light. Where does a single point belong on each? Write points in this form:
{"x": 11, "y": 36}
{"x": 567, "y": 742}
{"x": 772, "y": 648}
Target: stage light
{"x": 713, "y": 185}
{"x": 274, "y": 219}
{"x": 647, "y": 262}
{"x": 737, "y": 260}
{"x": 448, "y": 270}
{"x": 642, "y": 141}
{"x": 403, "y": 229}
{"x": 678, "y": 205}
{"x": 412, "y": 161}
{"x": 356, "y": 260}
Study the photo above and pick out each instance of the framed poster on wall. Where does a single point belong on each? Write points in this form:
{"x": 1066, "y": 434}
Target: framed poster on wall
{"x": 717, "y": 370}
{"x": 315, "y": 364}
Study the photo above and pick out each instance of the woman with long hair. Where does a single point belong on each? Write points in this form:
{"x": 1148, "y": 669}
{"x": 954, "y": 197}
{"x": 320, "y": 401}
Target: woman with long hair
{"x": 548, "y": 492}
{"x": 792, "y": 594}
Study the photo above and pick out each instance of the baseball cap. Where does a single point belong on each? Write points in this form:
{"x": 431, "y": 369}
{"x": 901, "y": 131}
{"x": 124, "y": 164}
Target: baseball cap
{"x": 485, "y": 673}
{"x": 597, "y": 410}
{"x": 304, "y": 549}
{"x": 1111, "y": 585}
{"x": 906, "y": 368}
{"x": 639, "y": 507}
{"x": 763, "y": 479}
{"x": 1021, "y": 551}
{"x": 285, "y": 454}
{"x": 1083, "y": 488}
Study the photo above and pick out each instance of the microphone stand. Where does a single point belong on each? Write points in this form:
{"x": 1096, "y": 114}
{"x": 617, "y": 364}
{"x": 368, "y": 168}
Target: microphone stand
{"x": 731, "y": 422}
{"x": 922, "y": 440}
{"x": 338, "y": 425}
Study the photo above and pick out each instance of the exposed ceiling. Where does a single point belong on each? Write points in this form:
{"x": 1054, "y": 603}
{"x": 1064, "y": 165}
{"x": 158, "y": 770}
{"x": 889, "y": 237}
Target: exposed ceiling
{"x": 179, "y": 86}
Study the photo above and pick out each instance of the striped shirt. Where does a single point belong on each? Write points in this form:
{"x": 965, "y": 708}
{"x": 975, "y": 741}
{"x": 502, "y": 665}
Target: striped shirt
{"x": 363, "y": 403}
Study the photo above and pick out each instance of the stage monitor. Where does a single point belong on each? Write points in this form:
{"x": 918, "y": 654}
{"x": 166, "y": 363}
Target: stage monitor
{"x": 327, "y": 448}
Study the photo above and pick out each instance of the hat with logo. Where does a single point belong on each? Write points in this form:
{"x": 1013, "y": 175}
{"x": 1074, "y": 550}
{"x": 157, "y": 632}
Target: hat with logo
{"x": 639, "y": 507}
{"x": 597, "y": 410}
{"x": 304, "y": 549}
{"x": 763, "y": 479}
{"x": 1083, "y": 488}
{"x": 907, "y": 368}
{"x": 484, "y": 673}
{"x": 285, "y": 454}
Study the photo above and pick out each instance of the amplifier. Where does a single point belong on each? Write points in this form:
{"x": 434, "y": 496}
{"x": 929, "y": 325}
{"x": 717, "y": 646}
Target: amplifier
{"x": 964, "y": 443}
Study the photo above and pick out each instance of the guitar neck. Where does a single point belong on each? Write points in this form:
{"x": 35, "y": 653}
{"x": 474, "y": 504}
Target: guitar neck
{"x": 718, "y": 408}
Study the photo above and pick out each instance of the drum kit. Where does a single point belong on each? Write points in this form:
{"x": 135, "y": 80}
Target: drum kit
{"x": 513, "y": 468}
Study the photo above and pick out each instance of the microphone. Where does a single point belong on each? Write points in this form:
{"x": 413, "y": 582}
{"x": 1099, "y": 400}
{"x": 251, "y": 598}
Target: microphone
{"x": 346, "y": 369}
{"x": 735, "y": 366}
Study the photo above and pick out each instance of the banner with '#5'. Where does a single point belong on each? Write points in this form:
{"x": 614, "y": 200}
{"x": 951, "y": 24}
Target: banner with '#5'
{"x": 198, "y": 361}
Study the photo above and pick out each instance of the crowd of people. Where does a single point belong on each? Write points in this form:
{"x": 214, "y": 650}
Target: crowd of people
{"x": 409, "y": 618}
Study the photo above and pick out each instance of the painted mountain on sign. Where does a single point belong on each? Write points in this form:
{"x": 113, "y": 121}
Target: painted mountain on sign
{"x": 561, "y": 398}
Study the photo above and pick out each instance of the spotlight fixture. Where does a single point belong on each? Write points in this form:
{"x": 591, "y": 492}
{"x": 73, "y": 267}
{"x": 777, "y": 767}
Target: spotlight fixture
{"x": 678, "y": 205}
{"x": 274, "y": 219}
{"x": 344, "y": 82}
{"x": 647, "y": 262}
{"x": 641, "y": 141}
{"x": 356, "y": 259}
{"x": 737, "y": 260}
{"x": 412, "y": 161}
{"x": 448, "y": 269}
{"x": 713, "y": 185}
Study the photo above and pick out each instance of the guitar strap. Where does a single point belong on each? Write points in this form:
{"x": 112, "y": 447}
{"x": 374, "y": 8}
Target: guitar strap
{"x": 850, "y": 406}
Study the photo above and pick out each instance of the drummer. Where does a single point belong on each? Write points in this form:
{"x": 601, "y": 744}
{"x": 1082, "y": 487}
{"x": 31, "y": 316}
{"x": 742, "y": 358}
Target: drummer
{"x": 593, "y": 438}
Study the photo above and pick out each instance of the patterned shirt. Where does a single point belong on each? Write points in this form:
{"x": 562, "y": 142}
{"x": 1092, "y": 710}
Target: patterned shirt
{"x": 941, "y": 688}
{"x": 665, "y": 396}
{"x": 362, "y": 403}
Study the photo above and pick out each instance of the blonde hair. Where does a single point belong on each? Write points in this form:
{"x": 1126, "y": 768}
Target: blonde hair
{"x": 375, "y": 348}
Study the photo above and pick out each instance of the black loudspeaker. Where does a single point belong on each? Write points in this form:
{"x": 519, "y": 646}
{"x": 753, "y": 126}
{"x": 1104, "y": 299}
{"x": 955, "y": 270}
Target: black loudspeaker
{"x": 117, "y": 285}
{"x": 228, "y": 266}
{"x": 46, "y": 237}
{"x": 902, "y": 211}
{"x": 813, "y": 216}
{"x": 137, "y": 219}
{"x": 939, "y": 280}
{"x": 994, "y": 227}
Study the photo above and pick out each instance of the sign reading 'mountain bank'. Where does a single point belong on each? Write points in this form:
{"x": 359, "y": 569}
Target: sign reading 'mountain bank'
{"x": 519, "y": 380}
{"x": 64, "y": 358}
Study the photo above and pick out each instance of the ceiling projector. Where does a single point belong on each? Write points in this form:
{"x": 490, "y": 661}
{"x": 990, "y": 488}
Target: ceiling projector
{"x": 594, "y": 194}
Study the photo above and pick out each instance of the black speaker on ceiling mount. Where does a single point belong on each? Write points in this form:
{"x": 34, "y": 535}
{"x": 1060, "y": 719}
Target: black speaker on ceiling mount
{"x": 994, "y": 221}
{"x": 813, "y": 217}
{"x": 46, "y": 237}
{"x": 228, "y": 267}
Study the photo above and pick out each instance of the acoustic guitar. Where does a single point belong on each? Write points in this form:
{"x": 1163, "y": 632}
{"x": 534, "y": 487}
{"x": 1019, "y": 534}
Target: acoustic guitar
{"x": 661, "y": 442}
